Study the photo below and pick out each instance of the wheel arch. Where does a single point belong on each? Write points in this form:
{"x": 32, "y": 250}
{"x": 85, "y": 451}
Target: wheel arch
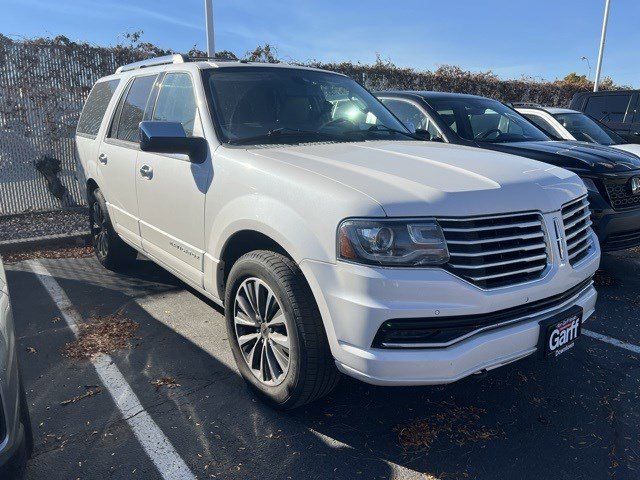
{"x": 91, "y": 186}
{"x": 239, "y": 243}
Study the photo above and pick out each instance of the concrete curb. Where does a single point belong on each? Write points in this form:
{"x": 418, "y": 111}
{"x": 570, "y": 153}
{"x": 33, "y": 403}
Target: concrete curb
{"x": 75, "y": 239}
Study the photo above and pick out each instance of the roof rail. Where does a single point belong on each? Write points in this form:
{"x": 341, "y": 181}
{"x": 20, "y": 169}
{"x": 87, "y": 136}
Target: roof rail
{"x": 525, "y": 105}
{"x": 152, "y": 62}
{"x": 214, "y": 59}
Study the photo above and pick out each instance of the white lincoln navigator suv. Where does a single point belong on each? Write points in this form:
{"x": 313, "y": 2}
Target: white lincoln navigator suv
{"x": 334, "y": 239}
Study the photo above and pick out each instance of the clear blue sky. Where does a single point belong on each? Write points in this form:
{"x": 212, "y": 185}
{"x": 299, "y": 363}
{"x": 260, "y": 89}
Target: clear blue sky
{"x": 539, "y": 38}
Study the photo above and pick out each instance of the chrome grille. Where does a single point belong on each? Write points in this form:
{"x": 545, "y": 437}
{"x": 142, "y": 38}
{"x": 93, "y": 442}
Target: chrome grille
{"x": 576, "y": 217}
{"x": 496, "y": 251}
{"x": 621, "y": 196}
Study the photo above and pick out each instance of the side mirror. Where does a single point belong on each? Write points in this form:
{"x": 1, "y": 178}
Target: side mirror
{"x": 169, "y": 137}
{"x": 421, "y": 134}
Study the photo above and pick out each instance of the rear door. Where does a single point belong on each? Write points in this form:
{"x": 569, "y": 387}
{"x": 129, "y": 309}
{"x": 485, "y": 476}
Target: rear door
{"x": 89, "y": 125}
{"x": 118, "y": 154}
{"x": 615, "y": 110}
{"x": 171, "y": 189}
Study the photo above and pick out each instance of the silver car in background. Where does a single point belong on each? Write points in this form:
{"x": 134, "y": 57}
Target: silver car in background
{"x": 16, "y": 439}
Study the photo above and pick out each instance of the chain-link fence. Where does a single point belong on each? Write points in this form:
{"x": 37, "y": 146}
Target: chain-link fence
{"x": 43, "y": 85}
{"x": 42, "y": 90}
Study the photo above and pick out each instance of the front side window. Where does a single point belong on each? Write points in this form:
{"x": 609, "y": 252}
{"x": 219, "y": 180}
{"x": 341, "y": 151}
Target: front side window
{"x": 412, "y": 116}
{"x": 585, "y": 129}
{"x": 608, "y": 108}
{"x": 541, "y": 123}
{"x": 95, "y": 107}
{"x": 485, "y": 120}
{"x": 407, "y": 113}
{"x": 176, "y": 101}
{"x": 131, "y": 110}
{"x": 256, "y": 105}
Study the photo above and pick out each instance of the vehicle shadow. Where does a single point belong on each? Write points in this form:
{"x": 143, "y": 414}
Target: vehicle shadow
{"x": 572, "y": 418}
{"x": 214, "y": 422}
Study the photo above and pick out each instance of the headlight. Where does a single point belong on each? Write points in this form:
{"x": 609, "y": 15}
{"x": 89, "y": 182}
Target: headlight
{"x": 399, "y": 243}
{"x": 590, "y": 184}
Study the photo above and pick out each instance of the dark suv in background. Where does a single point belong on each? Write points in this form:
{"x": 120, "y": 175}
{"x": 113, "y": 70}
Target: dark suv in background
{"x": 619, "y": 110}
{"x": 612, "y": 176}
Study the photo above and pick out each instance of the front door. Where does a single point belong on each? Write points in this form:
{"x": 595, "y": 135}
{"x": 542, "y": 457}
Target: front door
{"x": 171, "y": 189}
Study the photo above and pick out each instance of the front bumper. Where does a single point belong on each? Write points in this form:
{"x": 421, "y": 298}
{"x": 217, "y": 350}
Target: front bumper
{"x": 355, "y": 300}
{"x": 616, "y": 229}
{"x": 479, "y": 353}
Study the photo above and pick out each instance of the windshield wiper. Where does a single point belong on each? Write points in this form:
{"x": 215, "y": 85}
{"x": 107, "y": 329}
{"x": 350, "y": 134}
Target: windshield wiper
{"x": 381, "y": 128}
{"x": 282, "y": 131}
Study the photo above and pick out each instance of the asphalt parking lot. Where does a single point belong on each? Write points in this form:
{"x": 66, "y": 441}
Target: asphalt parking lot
{"x": 575, "y": 418}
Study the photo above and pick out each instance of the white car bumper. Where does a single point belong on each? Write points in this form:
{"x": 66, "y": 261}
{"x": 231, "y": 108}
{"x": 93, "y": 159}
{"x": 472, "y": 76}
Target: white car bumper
{"x": 356, "y": 300}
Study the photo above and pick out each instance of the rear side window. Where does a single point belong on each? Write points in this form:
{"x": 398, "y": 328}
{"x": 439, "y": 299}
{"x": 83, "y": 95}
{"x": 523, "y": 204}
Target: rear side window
{"x": 130, "y": 111}
{"x": 176, "y": 101}
{"x": 95, "y": 107}
{"x": 608, "y": 108}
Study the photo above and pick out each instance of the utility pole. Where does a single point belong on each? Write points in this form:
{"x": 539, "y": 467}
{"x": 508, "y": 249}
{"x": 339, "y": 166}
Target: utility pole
{"x": 602, "y": 39}
{"x": 208, "y": 13}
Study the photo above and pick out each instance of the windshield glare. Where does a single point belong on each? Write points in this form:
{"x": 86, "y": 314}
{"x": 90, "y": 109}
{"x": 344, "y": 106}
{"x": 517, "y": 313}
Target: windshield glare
{"x": 255, "y": 105}
{"x": 485, "y": 120}
{"x": 585, "y": 129}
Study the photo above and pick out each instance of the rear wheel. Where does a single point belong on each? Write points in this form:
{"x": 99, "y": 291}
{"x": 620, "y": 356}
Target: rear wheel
{"x": 276, "y": 331}
{"x": 108, "y": 247}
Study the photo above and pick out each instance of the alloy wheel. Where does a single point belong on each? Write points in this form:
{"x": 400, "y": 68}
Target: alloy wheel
{"x": 99, "y": 230}
{"x": 261, "y": 331}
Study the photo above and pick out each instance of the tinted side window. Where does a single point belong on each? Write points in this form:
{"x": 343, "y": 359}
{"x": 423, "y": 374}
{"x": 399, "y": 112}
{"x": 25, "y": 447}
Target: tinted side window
{"x": 176, "y": 101}
{"x": 541, "y": 122}
{"x": 95, "y": 107}
{"x": 407, "y": 113}
{"x": 608, "y": 108}
{"x": 131, "y": 111}
{"x": 448, "y": 116}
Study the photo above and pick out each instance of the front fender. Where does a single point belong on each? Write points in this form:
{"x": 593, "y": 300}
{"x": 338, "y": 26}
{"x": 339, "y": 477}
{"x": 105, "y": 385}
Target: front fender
{"x": 301, "y": 237}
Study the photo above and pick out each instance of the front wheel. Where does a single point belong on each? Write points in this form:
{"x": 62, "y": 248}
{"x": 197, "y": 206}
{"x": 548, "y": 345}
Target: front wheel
{"x": 276, "y": 331}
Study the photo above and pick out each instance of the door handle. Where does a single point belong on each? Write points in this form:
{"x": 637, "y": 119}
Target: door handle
{"x": 146, "y": 171}
{"x": 102, "y": 158}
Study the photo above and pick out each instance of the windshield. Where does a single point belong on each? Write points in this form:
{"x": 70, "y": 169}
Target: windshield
{"x": 485, "y": 120}
{"x": 257, "y": 105}
{"x": 586, "y": 129}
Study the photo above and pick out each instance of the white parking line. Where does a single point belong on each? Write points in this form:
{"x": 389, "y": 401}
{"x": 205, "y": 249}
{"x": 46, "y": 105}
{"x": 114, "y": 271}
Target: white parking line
{"x": 612, "y": 341}
{"x": 169, "y": 464}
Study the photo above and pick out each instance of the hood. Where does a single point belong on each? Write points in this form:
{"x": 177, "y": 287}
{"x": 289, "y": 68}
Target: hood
{"x": 580, "y": 157}
{"x": 629, "y": 147}
{"x": 415, "y": 178}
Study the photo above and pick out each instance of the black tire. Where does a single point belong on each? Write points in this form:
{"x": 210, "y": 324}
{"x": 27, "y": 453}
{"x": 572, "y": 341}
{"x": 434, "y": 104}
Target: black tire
{"x": 16, "y": 467}
{"x": 312, "y": 373}
{"x": 111, "y": 251}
